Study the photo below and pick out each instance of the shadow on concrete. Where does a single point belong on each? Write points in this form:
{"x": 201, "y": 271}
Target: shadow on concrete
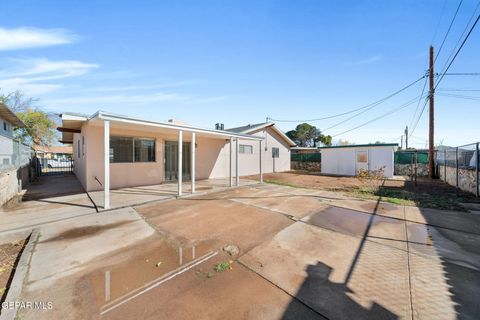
{"x": 53, "y": 186}
{"x": 318, "y": 292}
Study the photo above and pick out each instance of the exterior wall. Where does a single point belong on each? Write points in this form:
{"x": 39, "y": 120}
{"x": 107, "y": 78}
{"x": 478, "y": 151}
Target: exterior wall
{"x": 6, "y": 143}
{"x": 8, "y": 185}
{"x": 212, "y": 158}
{"x": 342, "y": 161}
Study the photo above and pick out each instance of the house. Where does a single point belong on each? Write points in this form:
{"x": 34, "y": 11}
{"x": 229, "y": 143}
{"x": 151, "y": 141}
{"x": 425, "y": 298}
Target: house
{"x": 54, "y": 152}
{"x": 277, "y": 145}
{"x": 348, "y": 159}
{"x": 113, "y": 151}
{"x": 8, "y": 121}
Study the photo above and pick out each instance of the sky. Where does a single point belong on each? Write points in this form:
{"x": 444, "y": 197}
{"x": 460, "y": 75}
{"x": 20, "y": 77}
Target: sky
{"x": 239, "y": 62}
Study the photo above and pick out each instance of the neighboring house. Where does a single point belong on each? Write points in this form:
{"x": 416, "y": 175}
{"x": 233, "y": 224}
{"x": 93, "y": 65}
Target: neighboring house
{"x": 347, "y": 160}
{"x": 112, "y": 151}
{"x": 54, "y": 152}
{"x": 8, "y": 121}
{"x": 276, "y": 148}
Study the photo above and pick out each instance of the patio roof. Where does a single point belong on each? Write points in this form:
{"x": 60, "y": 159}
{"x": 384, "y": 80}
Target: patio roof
{"x": 74, "y": 121}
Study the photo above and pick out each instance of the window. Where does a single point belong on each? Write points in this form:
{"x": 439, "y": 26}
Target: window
{"x": 275, "y": 152}
{"x": 245, "y": 148}
{"x": 78, "y": 148}
{"x": 128, "y": 149}
{"x": 144, "y": 150}
{"x": 5, "y": 127}
{"x": 83, "y": 146}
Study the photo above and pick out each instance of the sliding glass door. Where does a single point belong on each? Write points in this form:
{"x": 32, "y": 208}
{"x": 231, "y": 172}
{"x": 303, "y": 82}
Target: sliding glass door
{"x": 171, "y": 160}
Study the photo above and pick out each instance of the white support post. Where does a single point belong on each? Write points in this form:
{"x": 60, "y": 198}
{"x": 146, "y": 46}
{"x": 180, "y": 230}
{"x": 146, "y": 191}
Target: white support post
{"x": 237, "y": 177}
{"x": 180, "y": 162}
{"x": 260, "y": 160}
{"x": 231, "y": 162}
{"x": 192, "y": 162}
{"x": 106, "y": 164}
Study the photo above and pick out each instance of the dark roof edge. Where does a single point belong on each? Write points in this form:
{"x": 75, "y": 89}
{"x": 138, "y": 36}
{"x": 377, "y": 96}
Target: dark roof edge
{"x": 362, "y": 145}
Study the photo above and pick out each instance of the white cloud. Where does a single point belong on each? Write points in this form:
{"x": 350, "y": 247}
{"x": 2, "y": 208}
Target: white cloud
{"x": 369, "y": 60}
{"x": 30, "y": 75}
{"x": 29, "y": 37}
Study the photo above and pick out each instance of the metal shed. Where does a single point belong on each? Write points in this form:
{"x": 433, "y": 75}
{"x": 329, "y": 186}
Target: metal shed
{"x": 347, "y": 160}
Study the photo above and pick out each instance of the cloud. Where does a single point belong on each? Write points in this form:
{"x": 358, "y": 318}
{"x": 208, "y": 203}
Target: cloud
{"x": 29, "y": 37}
{"x": 30, "y": 75}
{"x": 140, "y": 87}
{"x": 369, "y": 60}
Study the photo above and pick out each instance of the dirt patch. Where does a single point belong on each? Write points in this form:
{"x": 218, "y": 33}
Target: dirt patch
{"x": 9, "y": 256}
{"x": 429, "y": 193}
{"x": 85, "y": 231}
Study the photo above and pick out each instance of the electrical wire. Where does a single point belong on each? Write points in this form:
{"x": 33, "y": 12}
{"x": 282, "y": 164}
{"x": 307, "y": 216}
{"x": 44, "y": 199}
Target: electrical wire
{"x": 410, "y": 102}
{"x": 458, "y": 96}
{"x": 444, "y": 70}
{"x": 448, "y": 31}
{"x": 419, "y": 117}
{"x": 368, "y": 106}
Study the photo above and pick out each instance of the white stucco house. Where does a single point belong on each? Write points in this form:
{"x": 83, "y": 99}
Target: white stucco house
{"x": 347, "y": 160}
{"x": 113, "y": 151}
{"x": 8, "y": 121}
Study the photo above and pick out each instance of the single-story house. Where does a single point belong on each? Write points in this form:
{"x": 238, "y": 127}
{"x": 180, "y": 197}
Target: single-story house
{"x": 348, "y": 159}
{"x": 8, "y": 121}
{"x": 54, "y": 152}
{"x": 112, "y": 151}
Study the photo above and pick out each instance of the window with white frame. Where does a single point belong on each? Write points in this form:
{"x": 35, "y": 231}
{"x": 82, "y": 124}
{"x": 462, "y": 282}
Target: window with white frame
{"x": 245, "y": 148}
{"x": 275, "y": 152}
{"x": 129, "y": 149}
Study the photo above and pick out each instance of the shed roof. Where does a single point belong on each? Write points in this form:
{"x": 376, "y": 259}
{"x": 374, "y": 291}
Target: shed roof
{"x": 368, "y": 145}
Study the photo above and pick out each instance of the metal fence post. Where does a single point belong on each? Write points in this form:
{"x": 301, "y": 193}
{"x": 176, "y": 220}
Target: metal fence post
{"x": 476, "y": 169}
{"x": 445, "y": 165}
{"x": 456, "y": 165}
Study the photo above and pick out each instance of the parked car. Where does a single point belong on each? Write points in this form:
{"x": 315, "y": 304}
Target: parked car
{"x": 58, "y": 163}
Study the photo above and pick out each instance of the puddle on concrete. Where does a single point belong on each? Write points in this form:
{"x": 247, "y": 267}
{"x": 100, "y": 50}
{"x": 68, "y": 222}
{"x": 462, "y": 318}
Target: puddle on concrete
{"x": 76, "y": 233}
{"x": 145, "y": 265}
{"x": 347, "y": 221}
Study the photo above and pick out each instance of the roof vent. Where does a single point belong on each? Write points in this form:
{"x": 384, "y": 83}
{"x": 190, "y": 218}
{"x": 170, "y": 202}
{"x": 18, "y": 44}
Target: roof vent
{"x": 219, "y": 126}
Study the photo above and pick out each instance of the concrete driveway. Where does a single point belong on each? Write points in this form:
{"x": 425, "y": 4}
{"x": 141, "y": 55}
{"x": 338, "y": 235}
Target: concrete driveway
{"x": 302, "y": 254}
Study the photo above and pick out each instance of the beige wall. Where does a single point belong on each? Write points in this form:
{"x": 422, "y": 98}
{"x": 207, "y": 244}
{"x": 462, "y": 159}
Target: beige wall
{"x": 212, "y": 158}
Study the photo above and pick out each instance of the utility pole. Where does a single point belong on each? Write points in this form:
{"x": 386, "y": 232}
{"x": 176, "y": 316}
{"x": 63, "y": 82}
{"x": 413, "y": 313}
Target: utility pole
{"x": 431, "y": 118}
{"x": 406, "y": 137}
{"x": 401, "y": 142}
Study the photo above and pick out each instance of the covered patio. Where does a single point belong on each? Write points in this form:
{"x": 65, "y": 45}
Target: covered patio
{"x": 123, "y": 161}
{"x": 134, "y": 196}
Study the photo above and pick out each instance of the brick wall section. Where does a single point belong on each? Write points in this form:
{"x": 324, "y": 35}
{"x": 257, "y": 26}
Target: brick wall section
{"x": 466, "y": 178}
{"x": 306, "y": 165}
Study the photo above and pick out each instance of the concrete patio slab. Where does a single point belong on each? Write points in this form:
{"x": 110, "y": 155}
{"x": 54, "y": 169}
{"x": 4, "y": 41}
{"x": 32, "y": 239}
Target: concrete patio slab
{"x": 319, "y": 268}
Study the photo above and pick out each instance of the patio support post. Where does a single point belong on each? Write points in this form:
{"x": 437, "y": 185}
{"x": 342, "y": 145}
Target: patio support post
{"x": 180, "y": 162}
{"x": 106, "y": 164}
{"x": 237, "y": 177}
{"x": 231, "y": 162}
{"x": 192, "y": 162}
{"x": 260, "y": 160}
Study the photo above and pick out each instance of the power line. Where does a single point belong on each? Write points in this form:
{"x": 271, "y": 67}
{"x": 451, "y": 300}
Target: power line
{"x": 448, "y": 30}
{"x": 459, "y": 96}
{"x": 367, "y": 107}
{"x": 419, "y": 117}
{"x": 459, "y": 49}
{"x": 380, "y": 117}
{"x": 439, "y": 20}
{"x": 419, "y": 101}
{"x": 458, "y": 90}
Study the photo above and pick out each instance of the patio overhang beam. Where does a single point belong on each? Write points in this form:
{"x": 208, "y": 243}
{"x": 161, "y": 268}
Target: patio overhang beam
{"x": 116, "y": 118}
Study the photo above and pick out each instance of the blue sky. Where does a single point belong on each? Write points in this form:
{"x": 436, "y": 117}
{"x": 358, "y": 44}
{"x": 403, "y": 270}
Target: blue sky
{"x": 238, "y": 62}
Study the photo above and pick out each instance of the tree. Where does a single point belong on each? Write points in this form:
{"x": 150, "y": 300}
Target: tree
{"x": 306, "y": 135}
{"x": 39, "y": 127}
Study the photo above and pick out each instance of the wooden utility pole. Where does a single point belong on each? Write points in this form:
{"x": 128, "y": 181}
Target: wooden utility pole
{"x": 406, "y": 137}
{"x": 431, "y": 118}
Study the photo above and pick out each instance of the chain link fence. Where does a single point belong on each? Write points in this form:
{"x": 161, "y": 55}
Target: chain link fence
{"x": 411, "y": 163}
{"x": 459, "y": 167}
{"x": 15, "y": 157}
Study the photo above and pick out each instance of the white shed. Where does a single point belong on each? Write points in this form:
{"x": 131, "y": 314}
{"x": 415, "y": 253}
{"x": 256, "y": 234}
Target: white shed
{"x": 347, "y": 160}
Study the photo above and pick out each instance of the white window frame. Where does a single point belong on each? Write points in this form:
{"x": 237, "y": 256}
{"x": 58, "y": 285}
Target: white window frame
{"x": 244, "y": 147}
